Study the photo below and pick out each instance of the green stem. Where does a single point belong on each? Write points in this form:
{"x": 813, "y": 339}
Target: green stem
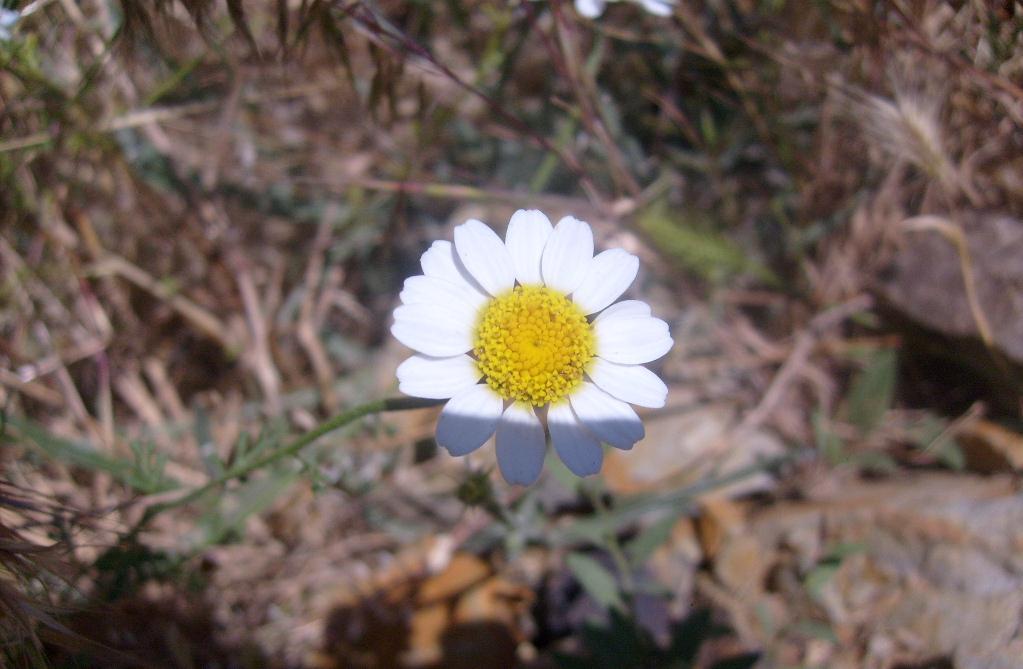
{"x": 613, "y": 545}
{"x": 289, "y": 450}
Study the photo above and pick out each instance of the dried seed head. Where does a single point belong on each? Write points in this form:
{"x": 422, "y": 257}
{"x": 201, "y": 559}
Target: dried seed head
{"x": 906, "y": 127}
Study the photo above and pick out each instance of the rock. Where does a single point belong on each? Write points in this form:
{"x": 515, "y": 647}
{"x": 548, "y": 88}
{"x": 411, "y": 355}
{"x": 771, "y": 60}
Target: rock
{"x": 926, "y": 280}
{"x": 927, "y": 566}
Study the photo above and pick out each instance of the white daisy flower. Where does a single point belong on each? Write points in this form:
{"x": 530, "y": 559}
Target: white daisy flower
{"x": 517, "y": 331}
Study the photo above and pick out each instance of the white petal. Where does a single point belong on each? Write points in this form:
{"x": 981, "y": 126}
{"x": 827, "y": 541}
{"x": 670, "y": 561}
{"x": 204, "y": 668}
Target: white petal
{"x": 440, "y": 261}
{"x": 658, "y": 7}
{"x": 608, "y": 275}
{"x": 629, "y": 383}
{"x": 485, "y": 256}
{"x": 610, "y": 420}
{"x": 576, "y": 447}
{"x": 432, "y": 329}
{"x": 567, "y": 255}
{"x": 591, "y": 9}
{"x": 631, "y": 308}
{"x": 437, "y": 378}
{"x": 521, "y": 444}
{"x": 468, "y": 420}
{"x": 457, "y": 297}
{"x": 527, "y": 234}
{"x": 631, "y": 339}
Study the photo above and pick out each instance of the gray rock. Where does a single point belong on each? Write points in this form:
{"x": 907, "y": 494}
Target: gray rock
{"x": 935, "y": 568}
{"x": 925, "y": 282}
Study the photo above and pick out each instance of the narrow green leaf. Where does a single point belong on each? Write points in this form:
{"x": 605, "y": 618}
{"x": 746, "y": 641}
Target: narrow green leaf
{"x": 147, "y": 471}
{"x": 819, "y": 577}
{"x": 871, "y": 393}
{"x": 230, "y": 512}
{"x": 931, "y": 434}
{"x": 650, "y": 539}
{"x": 167, "y": 86}
{"x": 595, "y": 579}
{"x": 690, "y": 238}
{"x": 875, "y": 461}
{"x": 829, "y": 444}
{"x": 203, "y": 433}
{"x": 814, "y": 629}
{"x": 137, "y": 473}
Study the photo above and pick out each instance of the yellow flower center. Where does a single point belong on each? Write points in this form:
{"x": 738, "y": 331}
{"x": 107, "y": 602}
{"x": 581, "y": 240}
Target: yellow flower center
{"x": 532, "y": 344}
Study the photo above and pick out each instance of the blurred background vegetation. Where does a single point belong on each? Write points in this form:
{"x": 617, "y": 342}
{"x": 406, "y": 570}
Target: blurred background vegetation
{"x": 207, "y": 210}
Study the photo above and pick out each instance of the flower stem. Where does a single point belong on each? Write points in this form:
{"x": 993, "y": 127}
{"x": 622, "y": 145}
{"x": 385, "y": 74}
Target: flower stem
{"x": 288, "y": 450}
{"x": 613, "y": 545}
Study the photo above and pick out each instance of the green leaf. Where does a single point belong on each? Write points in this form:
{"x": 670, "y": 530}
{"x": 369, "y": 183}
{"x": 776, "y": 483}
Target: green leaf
{"x": 708, "y": 128}
{"x": 650, "y": 539}
{"x": 147, "y": 472}
{"x": 829, "y": 445}
{"x": 931, "y": 434}
{"x": 844, "y": 549}
{"x": 950, "y": 454}
{"x": 595, "y": 580}
{"x": 630, "y": 509}
{"x": 246, "y": 451}
{"x": 875, "y": 461}
{"x": 689, "y": 238}
{"x": 814, "y": 629}
{"x": 168, "y": 84}
{"x": 871, "y": 393}
{"x": 203, "y": 433}
{"x": 144, "y": 473}
{"x": 231, "y": 511}
{"x": 819, "y": 577}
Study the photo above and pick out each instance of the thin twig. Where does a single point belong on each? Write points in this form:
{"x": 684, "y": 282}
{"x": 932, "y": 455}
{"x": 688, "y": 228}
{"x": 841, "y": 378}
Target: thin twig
{"x": 916, "y": 37}
{"x": 458, "y": 192}
{"x": 151, "y": 115}
{"x": 585, "y": 91}
{"x": 804, "y": 344}
{"x": 376, "y": 27}
{"x": 203, "y": 320}
{"x": 33, "y": 389}
{"x": 257, "y": 355}
{"x": 308, "y": 325}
